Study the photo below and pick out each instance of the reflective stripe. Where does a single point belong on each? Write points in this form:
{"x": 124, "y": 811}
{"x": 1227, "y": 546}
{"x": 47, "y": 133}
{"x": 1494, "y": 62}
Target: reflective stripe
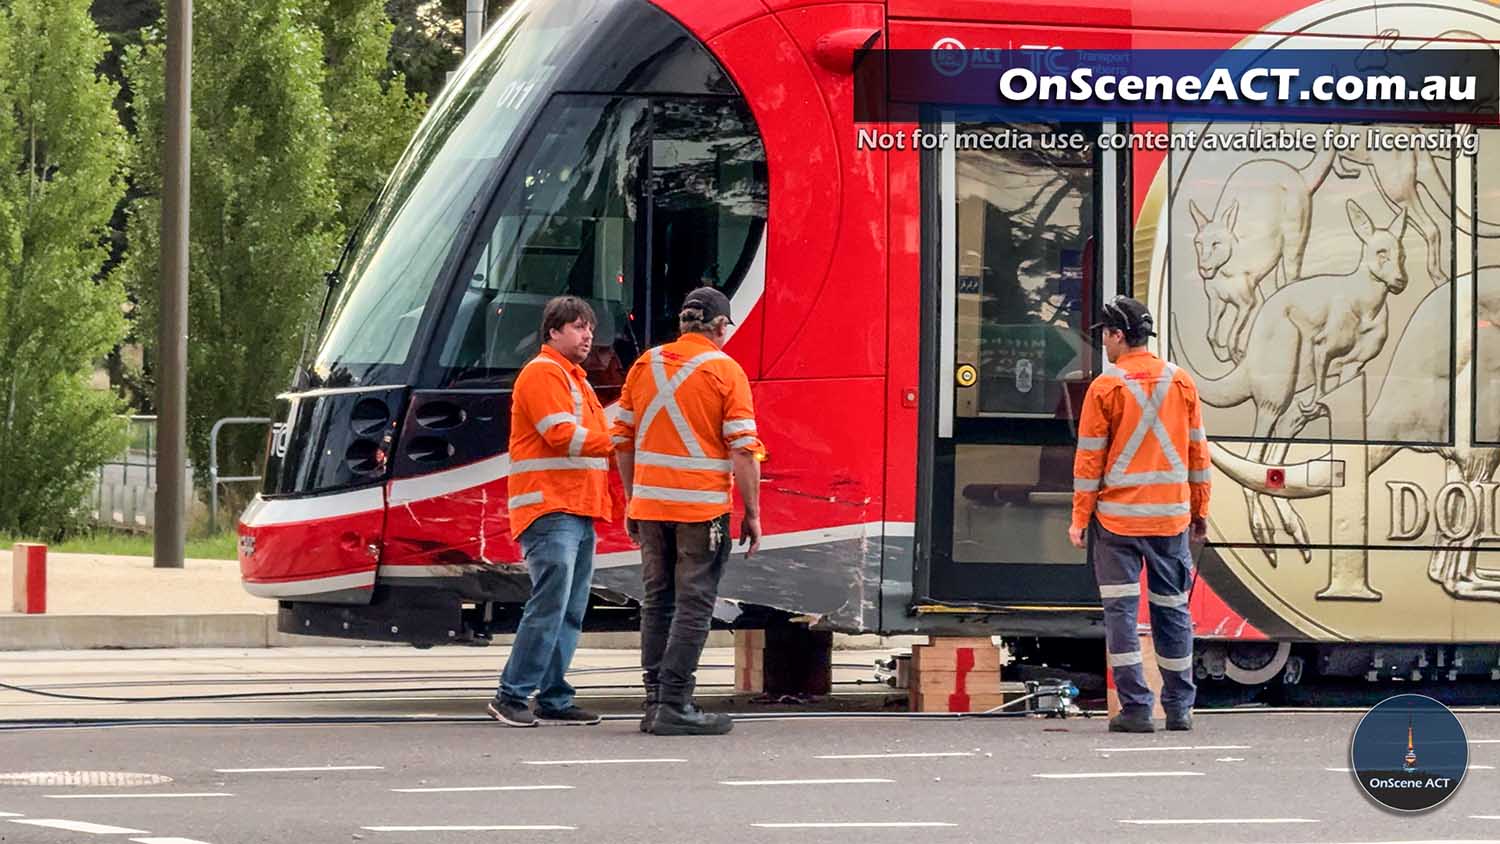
{"x": 738, "y": 425}
{"x": 518, "y": 501}
{"x": 572, "y": 385}
{"x": 1092, "y": 443}
{"x": 673, "y": 461}
{"x": 1123, "y": 660}
{"x": 1150, "y": 423}
{"x": 1133, "y": 479}
{"x": 624, "y": 416}
{"x": 1174, "y": 663}
{"x": 687, "y": 496}
{"x": 1120, "y": 590}
{"x": 1197, "y": 435}
{"x": 742, "y": 442}
{"x": 666, "y": 399}
{"x": 1200, "y": 476}
{"x": 1166, "y": 600}
{"x": 1085, "y": 484}
{"x": 619, "y": 440}
{"x": 548, "y": 464}
{"x": 547, "y": 423}
{"x": 1115, "y": 508}
{"x": 580, "y": 433}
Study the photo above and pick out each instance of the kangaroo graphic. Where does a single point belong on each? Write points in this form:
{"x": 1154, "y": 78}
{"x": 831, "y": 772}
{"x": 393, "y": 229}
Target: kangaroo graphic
{"x": 1403, "y": 176}
{"x": 1326, "y": 324}
{"x": 1259, "y": 226}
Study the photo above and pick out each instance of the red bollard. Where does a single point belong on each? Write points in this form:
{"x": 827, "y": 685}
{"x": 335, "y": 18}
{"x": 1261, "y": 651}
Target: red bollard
{"x": 28, "y": 578}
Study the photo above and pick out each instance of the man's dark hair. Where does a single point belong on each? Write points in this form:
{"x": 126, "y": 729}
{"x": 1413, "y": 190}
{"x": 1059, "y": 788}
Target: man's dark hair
{"x": 565, "y": 310}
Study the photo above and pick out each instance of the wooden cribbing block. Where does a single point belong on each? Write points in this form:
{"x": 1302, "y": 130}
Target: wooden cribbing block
{"x": 956, "y": 674}
{"x": 1153, "y": 679}
{"x": 785, "y": 659}
{"x": 749, "y": 661}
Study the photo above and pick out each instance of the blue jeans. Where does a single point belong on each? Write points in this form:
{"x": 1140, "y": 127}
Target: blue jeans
{"x": 559, "y": 549}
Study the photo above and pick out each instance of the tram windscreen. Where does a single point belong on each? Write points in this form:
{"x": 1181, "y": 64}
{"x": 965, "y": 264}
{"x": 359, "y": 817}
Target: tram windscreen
{"x": 394, "y": 266}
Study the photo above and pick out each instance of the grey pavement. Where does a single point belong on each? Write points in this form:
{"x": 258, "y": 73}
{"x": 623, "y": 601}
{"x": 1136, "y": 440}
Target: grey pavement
{"x": 1240, "y": 777}
{"x": 862, "y": 770}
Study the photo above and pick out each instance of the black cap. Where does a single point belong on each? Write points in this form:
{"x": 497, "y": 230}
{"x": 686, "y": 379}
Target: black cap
{"x": 1127, "y": 315}
{"x": 710, "y": 302}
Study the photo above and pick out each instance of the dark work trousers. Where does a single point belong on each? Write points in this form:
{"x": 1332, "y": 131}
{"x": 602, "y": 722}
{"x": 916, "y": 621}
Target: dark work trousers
{"x": 1169, "y": 581}
{"x": 681, "y": 563}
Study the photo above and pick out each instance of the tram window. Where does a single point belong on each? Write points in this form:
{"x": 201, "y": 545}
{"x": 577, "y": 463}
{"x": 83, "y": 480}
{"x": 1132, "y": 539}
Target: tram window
{"x": 395, "y": 266}
{"x": 567, "y": 224}
{"x": 1240, "y": 251}
{"x": 1025, "y": 219}
{"x": 708, "y": 189}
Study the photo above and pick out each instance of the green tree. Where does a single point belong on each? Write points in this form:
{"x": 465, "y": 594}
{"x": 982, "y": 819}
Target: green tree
{"x": 264, "y": 211}
{"x": 372, "y": 114}
{"x": 62, "y": 158}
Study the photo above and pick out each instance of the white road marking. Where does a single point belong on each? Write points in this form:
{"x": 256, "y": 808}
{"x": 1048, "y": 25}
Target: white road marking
{"x": 1484, "y": 741}
{"x": 852, "y": 825}
{"x": 1230, "y": 759}
{"x": 537, "y": 828}
{"x": 482, "y": 788}
{"x": 893, "y": 755}
{"x": 1485, "y": 817}
{"x": 1173, "y": 747}
{"x": 1097, "y": 775}
{"x": 803, "y": 781}
{"x": 11, "y": 815}
{"x": 80, "y": 826}
{"x": 126, "y": 795}
{"x": 167, "y": 841}
{"x": 599, "y": 761}
{"x": 1188, "y": 821}
{"x": 309, "y": 768}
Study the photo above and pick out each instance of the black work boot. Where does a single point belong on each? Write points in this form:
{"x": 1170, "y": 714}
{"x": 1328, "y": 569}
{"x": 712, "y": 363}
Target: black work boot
{"x": 678, "y": 719}
{"x": 653, "y": 700}
{"x": 1180, "y": 721}
{"x": 1137, "y": 721}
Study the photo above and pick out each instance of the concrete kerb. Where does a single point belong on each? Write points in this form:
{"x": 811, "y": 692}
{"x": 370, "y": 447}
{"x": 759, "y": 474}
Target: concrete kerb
{"x": 87, "y": 631}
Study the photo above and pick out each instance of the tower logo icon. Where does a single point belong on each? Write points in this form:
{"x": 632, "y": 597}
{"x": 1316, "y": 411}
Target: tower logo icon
{"x": 1384, "y": 753}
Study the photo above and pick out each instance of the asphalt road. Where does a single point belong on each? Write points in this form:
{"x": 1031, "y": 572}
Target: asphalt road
{"x": 1240, "y": 777}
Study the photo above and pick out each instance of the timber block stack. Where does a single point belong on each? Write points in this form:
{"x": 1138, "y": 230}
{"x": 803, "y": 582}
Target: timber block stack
{"x": 784, "y": 659}
{"x": 1153, "y": 678}
{"x": 750, "y": 661}
{"x": 956, "y": 674}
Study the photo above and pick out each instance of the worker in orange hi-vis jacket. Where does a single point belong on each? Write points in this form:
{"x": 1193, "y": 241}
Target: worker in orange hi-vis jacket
{"x": 685, "y": 425}
{"x": 559, "y": 484}
{"x": 1144, "y": 501}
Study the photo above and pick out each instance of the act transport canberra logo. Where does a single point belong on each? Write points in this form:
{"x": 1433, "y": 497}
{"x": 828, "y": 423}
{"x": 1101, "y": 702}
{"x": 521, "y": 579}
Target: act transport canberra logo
{"x": 1409, "y": 753}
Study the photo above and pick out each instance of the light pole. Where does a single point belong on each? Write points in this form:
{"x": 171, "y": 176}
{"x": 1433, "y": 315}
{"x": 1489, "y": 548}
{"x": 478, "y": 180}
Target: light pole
{"x": 171, "y": 363}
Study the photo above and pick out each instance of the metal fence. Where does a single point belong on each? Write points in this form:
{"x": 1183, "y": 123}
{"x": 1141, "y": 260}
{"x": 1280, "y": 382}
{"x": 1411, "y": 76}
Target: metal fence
{"x": 124, "y": 495}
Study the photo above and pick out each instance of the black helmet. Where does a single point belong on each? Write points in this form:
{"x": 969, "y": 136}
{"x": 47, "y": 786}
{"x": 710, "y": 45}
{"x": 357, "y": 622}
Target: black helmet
{"x": 1127, "y": 315}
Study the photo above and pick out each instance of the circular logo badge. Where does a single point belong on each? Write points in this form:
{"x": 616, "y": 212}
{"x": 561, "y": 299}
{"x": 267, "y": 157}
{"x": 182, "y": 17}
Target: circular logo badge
{"x": 1409, "y": 753}
{"x": 966, "y": 375}
{"x": 949, "y": 56}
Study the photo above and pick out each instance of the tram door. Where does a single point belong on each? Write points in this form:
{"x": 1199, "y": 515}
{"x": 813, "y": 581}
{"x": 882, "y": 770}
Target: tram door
{"x": 1028, "y": 244}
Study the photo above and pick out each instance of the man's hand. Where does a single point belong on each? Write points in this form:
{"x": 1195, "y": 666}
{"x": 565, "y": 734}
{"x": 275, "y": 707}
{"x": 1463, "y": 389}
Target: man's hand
{"x": 750, "y": 531}
{"x": 1075, "y": 535}
{"x": 1199, "y": 531}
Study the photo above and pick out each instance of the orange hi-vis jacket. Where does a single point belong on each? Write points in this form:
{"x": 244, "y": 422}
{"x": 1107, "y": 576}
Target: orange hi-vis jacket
{"x": 1140, "y": 416}
{"x": 559, "y": 444}
{"x": 684, "y": 407}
